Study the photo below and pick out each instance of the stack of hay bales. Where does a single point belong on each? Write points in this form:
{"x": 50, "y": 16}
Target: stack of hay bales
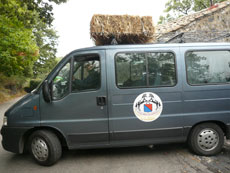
{"x": 125, "y": 29}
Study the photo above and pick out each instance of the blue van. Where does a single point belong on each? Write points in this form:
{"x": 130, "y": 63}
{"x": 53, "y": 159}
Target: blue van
{"x": 126, "y": 95}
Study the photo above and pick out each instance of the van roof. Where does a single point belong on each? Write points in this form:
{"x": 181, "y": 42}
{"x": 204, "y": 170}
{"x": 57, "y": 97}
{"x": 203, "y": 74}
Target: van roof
{"x": 166, "y": 45}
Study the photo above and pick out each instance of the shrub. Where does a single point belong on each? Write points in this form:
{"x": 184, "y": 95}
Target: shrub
{"x": 11, "y": 87}
{"x": 33, "y": 84}
{"x": 12, "y": 83}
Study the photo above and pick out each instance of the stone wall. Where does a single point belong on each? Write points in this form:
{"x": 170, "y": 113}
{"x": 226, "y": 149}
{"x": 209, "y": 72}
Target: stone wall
{"x": 213, "y": 27}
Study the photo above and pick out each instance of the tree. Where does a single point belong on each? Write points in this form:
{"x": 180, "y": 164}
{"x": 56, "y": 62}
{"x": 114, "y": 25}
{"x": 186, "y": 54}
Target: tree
{"x": 45, "y": 35}
{"x": 165, "y": 19}
{"x": 46, "y": 39}
{"x": 43, "y": 8}
{"x": 18, "y": 49}
{"x": 178, "y": 8}
{"x": 29, "y": 41}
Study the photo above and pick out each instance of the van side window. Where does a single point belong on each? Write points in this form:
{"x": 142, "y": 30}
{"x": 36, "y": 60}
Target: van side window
{"x": 60, "y": 83}
{"x": 161, "y": 68}
{"x": 86, "y": 73}
{"x": 207, "y": 67}
{"x": 131, "y": 69}
{"x": 145, "y": 69}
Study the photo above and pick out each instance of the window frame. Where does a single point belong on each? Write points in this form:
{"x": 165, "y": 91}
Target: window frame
{"x": 202, "y": 50}
{"x": 147, "y": 70}
{"x": 72, "y": 67}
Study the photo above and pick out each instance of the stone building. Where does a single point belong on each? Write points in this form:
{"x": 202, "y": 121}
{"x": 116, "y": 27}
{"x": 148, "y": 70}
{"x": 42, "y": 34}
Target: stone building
{"x": 209, "y": 25}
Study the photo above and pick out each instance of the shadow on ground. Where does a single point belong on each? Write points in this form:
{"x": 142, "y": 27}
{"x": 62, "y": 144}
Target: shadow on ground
{"x": 161, "y": 158}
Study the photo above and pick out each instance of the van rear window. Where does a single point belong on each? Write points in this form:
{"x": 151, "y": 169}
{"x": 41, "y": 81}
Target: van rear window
{"x": 207, "y": 67}
{"x": 145, "y": 69}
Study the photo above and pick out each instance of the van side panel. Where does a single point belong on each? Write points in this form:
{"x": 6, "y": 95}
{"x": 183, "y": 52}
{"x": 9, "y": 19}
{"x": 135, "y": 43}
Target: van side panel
{"x": 209, "y": 102}
{"x": 125, "y": 127}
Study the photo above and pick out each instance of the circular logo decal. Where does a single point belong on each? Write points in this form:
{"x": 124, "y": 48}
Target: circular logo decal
{"x": 147, "y": 107}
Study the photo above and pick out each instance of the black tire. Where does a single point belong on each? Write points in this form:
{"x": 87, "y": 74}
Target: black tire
{"x": 51, "y": 151}
{"x": 206, "y": 139}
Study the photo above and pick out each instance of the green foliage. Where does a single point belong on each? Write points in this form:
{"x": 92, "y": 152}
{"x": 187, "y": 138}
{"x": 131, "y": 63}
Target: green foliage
{"x": 164, "y": 19}
{"x": 45, "y": 36}
{"x": 16, "y": 9}
{"x": 28, "y": 41}
{"x": 25, "y": 27}
{"x": 46, "y": 39}
{"x": 18, "y": 50}
{"x": 178, "y": 8}
{"x": 43, "y": 8}
{"x": 181, "y": 6}
{"x": 11, "y": 87}
{"x": 201, "y": 4}
{"x": 32, "y": 85}
{"x": 12, "y": 83}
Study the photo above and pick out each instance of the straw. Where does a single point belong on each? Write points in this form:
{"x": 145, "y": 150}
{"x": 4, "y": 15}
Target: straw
{"x": 125, "y": 29}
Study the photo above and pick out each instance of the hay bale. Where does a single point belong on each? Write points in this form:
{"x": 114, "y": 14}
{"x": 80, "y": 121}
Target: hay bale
{"x": 125, "y": 29}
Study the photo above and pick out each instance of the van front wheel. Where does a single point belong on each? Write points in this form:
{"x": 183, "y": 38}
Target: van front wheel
{"x": 45, "y": 147}
{"x": 206, "y": 139}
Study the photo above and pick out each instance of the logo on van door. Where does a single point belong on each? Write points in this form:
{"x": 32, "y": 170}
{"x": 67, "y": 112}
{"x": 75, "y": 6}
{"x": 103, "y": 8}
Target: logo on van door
{"x": 147, "y": 106}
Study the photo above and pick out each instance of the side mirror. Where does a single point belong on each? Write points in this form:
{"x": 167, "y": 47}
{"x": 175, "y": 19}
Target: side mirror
{"x": 46, "y": 91}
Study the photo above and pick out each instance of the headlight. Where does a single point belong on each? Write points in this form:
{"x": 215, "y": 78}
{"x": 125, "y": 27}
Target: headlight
{"x": 4, "y": 121}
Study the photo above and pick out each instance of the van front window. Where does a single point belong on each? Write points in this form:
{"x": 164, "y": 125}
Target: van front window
{"x": 86, "y": 73}
{"x": 61, "y": 83}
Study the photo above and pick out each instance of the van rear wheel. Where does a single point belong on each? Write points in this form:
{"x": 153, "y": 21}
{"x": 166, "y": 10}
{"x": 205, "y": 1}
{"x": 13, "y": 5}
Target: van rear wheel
{"x": 45, "y": 147}
{"x": 206, "y": 139}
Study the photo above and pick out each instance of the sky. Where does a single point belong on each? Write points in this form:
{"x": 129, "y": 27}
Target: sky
{"x": 72, "y": 19}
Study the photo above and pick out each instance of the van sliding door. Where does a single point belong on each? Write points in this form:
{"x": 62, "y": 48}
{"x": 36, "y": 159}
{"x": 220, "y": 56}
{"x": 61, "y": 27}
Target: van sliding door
{"x": 137, "y": 81}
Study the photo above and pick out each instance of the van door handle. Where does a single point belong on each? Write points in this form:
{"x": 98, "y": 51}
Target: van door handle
{"x": 101, "y": 101}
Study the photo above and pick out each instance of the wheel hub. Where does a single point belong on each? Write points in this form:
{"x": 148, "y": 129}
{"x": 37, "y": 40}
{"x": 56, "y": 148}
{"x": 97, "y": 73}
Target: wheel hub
{"x": 208, "y": 139}
{"x": 39, "y": 149}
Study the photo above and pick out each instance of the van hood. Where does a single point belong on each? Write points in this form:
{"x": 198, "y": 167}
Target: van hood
{"x": 18, "y": 104}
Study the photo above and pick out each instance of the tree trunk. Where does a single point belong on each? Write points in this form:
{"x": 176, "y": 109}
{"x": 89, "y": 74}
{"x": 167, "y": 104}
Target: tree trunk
{"x": 211, "y": 2}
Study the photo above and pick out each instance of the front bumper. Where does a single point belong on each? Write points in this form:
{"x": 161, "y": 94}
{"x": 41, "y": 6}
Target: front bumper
{"x": 12, "y": 138}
